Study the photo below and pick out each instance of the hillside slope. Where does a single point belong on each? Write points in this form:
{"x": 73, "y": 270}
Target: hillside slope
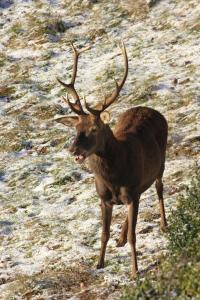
{"x": 50, "y": 216}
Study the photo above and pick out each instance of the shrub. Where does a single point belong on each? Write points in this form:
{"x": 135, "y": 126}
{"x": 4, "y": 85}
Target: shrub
{"x": 177, "y": 277}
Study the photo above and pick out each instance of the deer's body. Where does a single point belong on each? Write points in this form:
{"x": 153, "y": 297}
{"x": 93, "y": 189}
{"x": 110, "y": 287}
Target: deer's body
{"x": 133, "y": 154}
{"x": 125, "y": 161}
{"x": 131, "y": 160}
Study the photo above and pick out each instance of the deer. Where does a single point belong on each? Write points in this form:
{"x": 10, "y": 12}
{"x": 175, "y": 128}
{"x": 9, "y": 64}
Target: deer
{"x": 125, "y": 160}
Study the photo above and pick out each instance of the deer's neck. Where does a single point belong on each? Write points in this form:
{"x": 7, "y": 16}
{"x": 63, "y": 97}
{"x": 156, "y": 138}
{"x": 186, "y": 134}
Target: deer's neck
{"x": 107, "y": 157}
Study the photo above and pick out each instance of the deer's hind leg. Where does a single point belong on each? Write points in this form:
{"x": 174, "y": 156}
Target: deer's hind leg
{"x": 132, "y": 221}
{"x": 123, "y": 236}
{"x": 159, "y": 189}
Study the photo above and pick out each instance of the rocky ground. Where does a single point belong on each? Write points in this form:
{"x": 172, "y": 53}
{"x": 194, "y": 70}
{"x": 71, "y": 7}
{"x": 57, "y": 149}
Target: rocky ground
{"x": 50, "y": 216}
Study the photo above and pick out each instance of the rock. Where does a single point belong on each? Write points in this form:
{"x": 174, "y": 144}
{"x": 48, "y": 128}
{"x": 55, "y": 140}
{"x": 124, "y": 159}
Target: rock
{"x": 69, "y": 200}
{"x": 151, "y": 3}
{"x": 76, "y": 175}
{"x": 27, "y": 145}
{"x": 5, "y": 3}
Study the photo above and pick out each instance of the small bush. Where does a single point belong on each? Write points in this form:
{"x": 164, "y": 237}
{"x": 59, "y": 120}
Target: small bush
{"x": 178, "y": 275}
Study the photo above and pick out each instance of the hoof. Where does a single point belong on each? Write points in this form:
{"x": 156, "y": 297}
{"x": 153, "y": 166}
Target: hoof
{"x": 134, "y": 275}
{"x": 163, "y": 228}
{"x": 100, "y": 266}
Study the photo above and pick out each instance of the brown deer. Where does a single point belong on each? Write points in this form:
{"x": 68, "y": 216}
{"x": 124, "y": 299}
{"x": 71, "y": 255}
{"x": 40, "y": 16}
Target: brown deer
{"x": 126, "y": 161}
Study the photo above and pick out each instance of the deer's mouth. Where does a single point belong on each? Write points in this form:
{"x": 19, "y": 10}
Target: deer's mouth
{"x": 80, "y": 158}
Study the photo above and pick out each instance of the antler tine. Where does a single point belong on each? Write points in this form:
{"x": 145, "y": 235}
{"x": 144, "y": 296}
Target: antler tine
{"x": 70, "y": 88}
{"x": 124, "y": 52}
{"x": 92, "y": 110}
{"x": 119, "y": 84}
{"x": 73, "y": 106}
{"x": 76, "y": 107}
{"x": 76, "y": 55}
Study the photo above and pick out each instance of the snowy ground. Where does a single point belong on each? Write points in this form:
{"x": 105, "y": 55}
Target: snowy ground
{"x": 50, "y": 216}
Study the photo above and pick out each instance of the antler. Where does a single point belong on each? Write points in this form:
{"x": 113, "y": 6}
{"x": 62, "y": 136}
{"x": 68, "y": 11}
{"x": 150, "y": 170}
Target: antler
{"x": 119, "y": 84}
{"x": 76, "y": 107}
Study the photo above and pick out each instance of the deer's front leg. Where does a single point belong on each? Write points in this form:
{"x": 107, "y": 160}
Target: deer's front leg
{"x": 132, "y": 221}
{"x": 106, "y": 210}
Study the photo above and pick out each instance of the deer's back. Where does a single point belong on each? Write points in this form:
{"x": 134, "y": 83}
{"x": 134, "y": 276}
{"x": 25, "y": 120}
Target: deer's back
{"x": 144, "y": 123}
{"x": 144, "y": 131}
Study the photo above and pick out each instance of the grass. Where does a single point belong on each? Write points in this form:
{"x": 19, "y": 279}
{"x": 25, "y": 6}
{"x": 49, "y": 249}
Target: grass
{"x": 62, "y": 181}
{"x": 177, "y": 277}
{"x": 18, "y": 73}
{"x": 17, "y": 28}
{"x": 6, "y": 91}
{"x": 3, "y": 59}
{"x": 45, "y": 112}
{"x": 52, "y": 283}
{"x": 41, "y": 27}
{"x": 138, "y": 9}
{"x": 46, "y": 24}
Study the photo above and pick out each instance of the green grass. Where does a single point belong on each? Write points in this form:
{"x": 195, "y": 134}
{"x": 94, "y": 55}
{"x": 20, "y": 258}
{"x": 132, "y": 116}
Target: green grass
{"x": 177, "y": 277}
{"x": 17, "y": 28}
{"x": 62, "y": 181}
{"x": 3, "y": 59}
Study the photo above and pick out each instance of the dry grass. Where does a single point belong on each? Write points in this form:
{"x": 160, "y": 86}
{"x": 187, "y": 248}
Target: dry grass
{"x": 138, "y": 9}
{"x": 56, "y": 284}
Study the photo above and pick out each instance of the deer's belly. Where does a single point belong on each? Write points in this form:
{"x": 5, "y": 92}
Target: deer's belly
{"x": 147, "y": 185}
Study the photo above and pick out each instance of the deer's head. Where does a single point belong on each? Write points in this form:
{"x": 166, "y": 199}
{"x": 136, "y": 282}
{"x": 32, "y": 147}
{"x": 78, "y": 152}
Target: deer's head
{"x": 90, "y": 126}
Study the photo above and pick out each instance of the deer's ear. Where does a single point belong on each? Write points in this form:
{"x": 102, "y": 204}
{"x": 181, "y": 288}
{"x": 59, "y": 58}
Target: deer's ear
{"x": 68, "y": 121}
{"x": 105, "y": 117}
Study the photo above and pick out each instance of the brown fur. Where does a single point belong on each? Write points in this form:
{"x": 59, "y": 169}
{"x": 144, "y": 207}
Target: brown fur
{"x": 136, "y": 146}
{"x": 125, "y": 162}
